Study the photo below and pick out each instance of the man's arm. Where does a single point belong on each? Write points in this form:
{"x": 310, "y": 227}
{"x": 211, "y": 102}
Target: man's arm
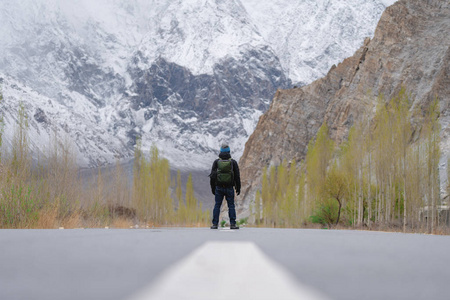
{"x": 212, "y": 177}
{"x": 237, "y": 177}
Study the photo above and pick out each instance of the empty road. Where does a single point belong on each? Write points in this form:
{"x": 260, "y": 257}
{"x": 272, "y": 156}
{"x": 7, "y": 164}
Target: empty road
{"x": 124, "y": 264}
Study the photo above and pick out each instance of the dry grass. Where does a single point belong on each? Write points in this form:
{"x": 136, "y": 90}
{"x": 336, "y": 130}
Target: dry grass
{"x": 48, "y": 218}
{"x": 74, "y": 220}
{"x": 121, "y": 223}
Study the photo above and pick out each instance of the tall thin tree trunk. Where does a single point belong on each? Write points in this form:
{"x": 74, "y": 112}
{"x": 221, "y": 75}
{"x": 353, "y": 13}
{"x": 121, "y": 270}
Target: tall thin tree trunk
{"x": 369, "y": 200}
{"x": 433, "y": 203}
{"x": 354, "y": 210}
{"x": 404, "y": 193}
{"x": 377, "y": 215}
{"x": 388, "y": 201}
{"x": 339, "y": 211}
{"x": 360, "y": 197}
{"x": 399, "y": 212}
{"x": 381, "y": 212}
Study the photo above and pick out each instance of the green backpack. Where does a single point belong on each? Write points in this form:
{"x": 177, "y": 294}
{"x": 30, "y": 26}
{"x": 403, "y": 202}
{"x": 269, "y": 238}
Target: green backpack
{"x": 225, "y": 174}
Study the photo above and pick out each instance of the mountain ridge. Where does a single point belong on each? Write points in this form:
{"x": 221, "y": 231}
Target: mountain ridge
{"x": 101, "y": 63}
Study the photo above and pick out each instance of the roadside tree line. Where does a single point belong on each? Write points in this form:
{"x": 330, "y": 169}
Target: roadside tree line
{"x": 49, "y": 192}
{"x": 384, "y": 176}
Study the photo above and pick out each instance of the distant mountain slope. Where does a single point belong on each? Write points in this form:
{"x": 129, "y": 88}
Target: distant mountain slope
{"x": 411, "y": 48}
{"x": 183, "y": 75}
{"x": 310, "y": 36}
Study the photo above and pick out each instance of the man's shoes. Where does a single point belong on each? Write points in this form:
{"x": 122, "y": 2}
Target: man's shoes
{"x": 234, "y": 226}
{"x": 214, "y": 227}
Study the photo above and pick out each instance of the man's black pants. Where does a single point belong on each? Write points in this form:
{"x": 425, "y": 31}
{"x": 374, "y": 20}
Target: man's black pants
{"x": 228, "y": 193}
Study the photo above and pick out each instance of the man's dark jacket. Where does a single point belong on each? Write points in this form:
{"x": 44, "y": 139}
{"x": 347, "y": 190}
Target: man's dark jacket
{"x": 237, "y": 176}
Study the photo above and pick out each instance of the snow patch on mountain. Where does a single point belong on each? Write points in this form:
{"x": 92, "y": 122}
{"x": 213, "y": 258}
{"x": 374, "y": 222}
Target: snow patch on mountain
{"x": 49, "y": 120}
{"x": 310, "y": 36}
{"x": 197, "y": 34}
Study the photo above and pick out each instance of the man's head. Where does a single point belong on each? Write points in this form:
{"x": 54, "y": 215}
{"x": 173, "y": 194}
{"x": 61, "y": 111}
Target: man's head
{"x": 224, "y": 148}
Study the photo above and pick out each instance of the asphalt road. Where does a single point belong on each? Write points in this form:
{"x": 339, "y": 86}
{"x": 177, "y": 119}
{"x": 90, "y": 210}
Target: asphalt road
{"x": 114, "y": 264}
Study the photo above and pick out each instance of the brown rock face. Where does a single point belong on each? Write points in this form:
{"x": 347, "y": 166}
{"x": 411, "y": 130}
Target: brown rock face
{"x": 410, "y": 48}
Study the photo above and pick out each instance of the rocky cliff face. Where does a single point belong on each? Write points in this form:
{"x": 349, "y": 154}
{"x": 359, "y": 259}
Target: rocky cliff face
{"x": 410, "y": 48}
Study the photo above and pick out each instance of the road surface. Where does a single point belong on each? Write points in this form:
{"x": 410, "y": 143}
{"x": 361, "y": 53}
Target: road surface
{"x": 124, "y": 264}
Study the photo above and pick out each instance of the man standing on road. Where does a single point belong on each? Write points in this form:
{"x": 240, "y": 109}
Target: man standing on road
{"x": 224, "y": 176}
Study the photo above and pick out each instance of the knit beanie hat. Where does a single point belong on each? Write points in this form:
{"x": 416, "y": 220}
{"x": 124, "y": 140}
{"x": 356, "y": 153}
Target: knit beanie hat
{"x": 224, "y": 148}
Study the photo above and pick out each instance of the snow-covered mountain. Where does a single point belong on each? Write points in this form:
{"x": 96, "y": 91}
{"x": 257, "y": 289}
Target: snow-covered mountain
{"x": 183, "y": 75}
{"x": 310, "y": 36}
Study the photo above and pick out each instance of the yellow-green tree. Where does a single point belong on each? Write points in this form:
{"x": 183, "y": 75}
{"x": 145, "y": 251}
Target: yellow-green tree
{"x": 151, "y": 192}
{"x": 336, "y": 186}
{"x": 190, "y": 211}
{"x": 257, "y": 209}
{"x": 290, "y": 205}
{"x": 178, "y": 190}
{"x": 21, "y": 159}
{"x": 432, "y": 131}
{"x": 318, "y": 158}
